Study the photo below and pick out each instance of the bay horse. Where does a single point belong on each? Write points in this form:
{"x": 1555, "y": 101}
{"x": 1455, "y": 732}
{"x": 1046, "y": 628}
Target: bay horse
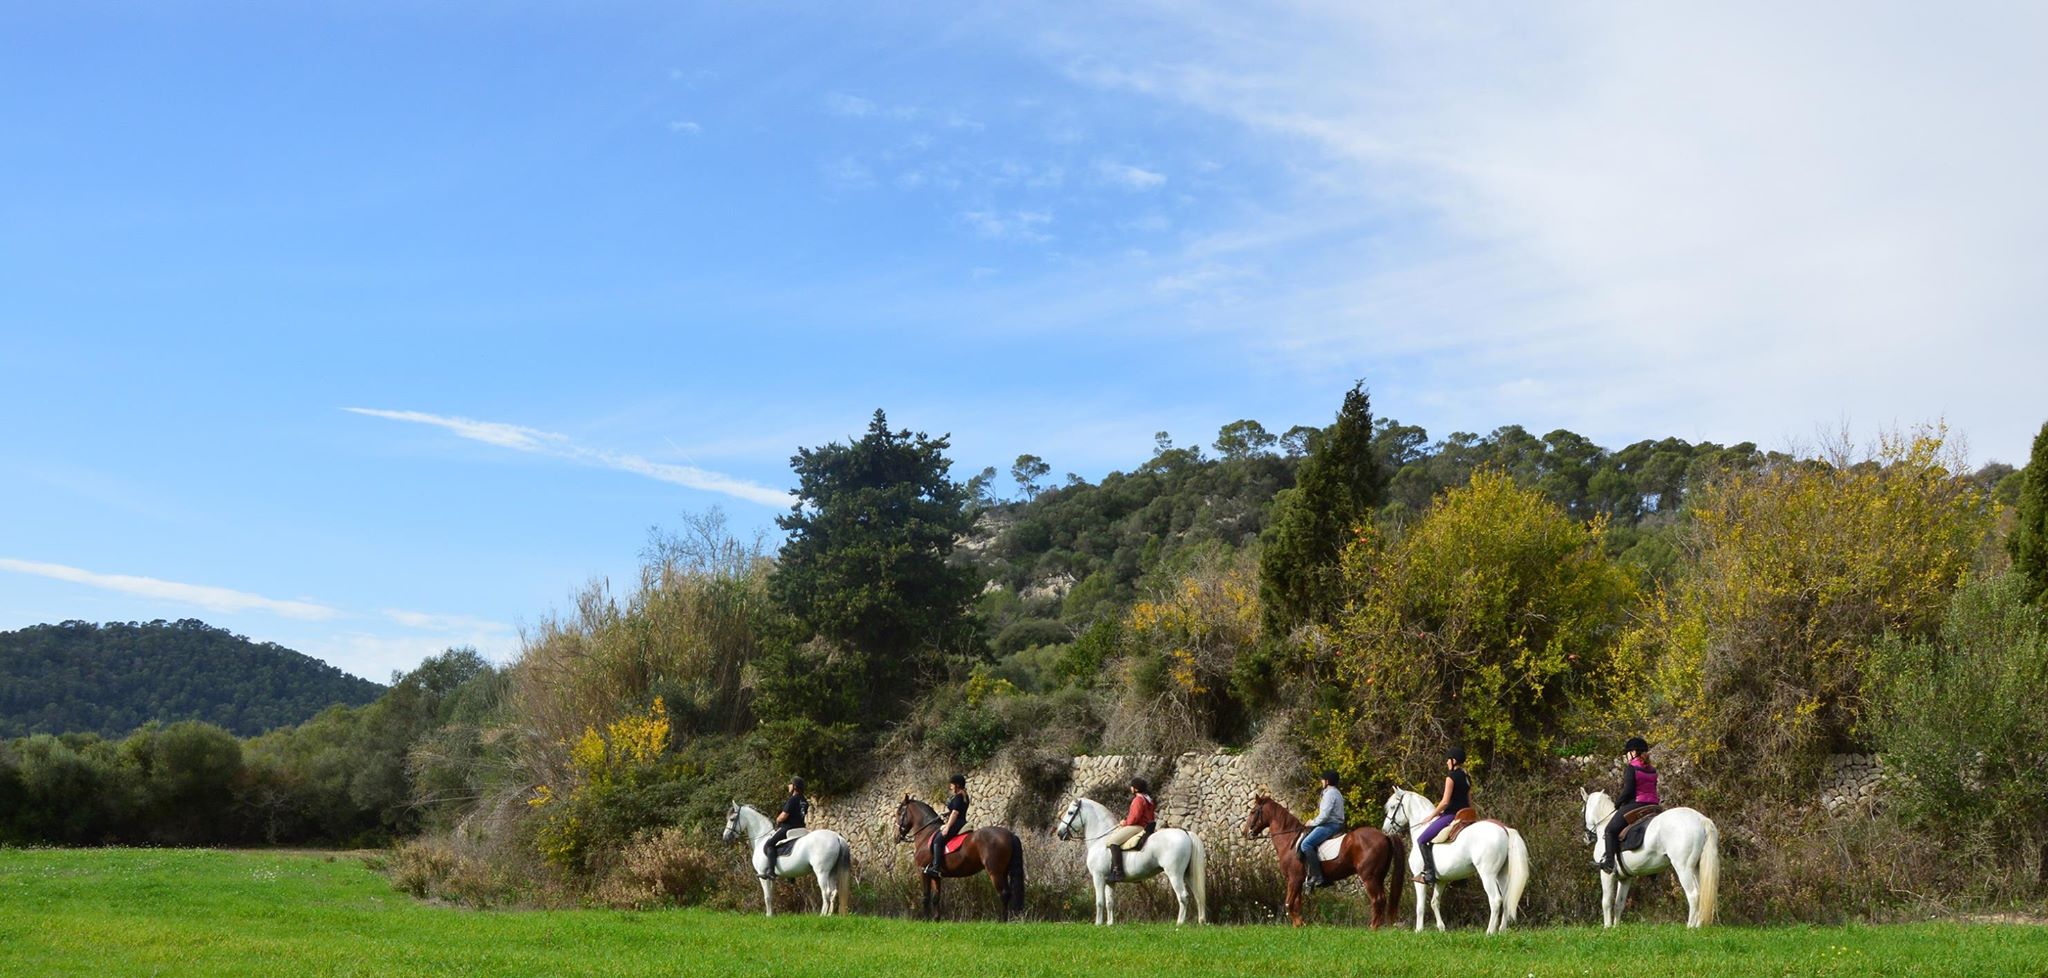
{"x": 1487, "y": 849}
{"x": 1679, "y": 839}
{"x": 993, "y": 849}
{"x": 820, "y": 852}
{"x": 1176, "y": 853}
{"x": 1365, "y": 852}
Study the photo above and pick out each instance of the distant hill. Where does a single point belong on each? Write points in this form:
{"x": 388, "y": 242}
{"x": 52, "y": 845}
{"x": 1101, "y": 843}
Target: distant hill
{"x": 78, "y": 677}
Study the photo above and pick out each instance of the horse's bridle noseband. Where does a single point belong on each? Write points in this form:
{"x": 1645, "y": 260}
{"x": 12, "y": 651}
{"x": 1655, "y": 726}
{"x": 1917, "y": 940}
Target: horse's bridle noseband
{"x": 1065, "y": 829}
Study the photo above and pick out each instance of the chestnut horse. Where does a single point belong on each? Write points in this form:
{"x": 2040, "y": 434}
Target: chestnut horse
{"x": 993, "y": 849}
{"x": 1365, "y": 852}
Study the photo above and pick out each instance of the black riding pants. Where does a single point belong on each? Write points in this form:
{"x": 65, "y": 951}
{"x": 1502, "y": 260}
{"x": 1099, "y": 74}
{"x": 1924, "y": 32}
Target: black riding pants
{"x": 1616, "y": 823}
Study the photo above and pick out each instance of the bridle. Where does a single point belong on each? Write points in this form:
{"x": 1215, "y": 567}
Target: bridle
{"x": 904, "y": 834}
{"x": 1065, "y": 830}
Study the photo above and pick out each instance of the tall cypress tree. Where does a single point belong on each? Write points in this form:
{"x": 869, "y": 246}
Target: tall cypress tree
{"x": 1339, "y": 485}
{"x": 2029, "y": 541}
{"x": 866, "y": 564}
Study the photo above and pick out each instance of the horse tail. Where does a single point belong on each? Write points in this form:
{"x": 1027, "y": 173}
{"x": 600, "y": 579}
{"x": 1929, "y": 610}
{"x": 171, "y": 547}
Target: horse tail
{"x": 1198, "y": 878}
{"x": 1397, "y": 866}
{"x": 842, "y": 876}
{"x": 1710, "y": 871}
{"x": 1518, "y": 873}
{"x": 1016, "y": 875}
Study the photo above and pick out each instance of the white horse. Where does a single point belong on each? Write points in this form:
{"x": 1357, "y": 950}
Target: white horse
{"x": 1175, "y": 852}
{"x": 1679, "y": 839}
{"x": 1489, "y": 850}
{"x": 822, "y": 852}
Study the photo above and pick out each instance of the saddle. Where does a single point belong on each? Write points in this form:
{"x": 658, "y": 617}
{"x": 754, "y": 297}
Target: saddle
{"x": 1465, "y": 816}
{"x": 1137, "y": 842}
{"x": 958, "y": 841}
{"x": 789, "y": 841}
{"x": 1635, "y": 825}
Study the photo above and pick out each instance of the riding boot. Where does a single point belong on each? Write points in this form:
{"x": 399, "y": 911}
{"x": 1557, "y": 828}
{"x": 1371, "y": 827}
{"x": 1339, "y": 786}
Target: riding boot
{"x": 1116, "y": 864}
{"x": 1312, "y": 875}
{"x": 936, "y": 869}
{"x": 1428, "y": 866}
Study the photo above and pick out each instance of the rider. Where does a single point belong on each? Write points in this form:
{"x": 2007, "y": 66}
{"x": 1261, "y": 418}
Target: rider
{"x": 791, "y": 817}
{"x": 1457, "y": 796}
{"x": 1329, "y": 821}
{"x": 1143, "y": 813}
{"x": 955, "y": 822}
{"x": 1638, "y": 790}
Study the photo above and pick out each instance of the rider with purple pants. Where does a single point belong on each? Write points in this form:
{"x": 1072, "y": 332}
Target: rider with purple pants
{"x": 1457, "y": 797}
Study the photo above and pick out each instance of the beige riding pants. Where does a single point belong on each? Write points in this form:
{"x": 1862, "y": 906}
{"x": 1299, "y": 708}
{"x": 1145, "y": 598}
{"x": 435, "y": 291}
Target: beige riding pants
{"x": 1123, "y": 835}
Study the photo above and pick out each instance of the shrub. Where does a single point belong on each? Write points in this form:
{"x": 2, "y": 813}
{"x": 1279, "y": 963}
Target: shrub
{"x": 664, "y": 868}
{"x": 1793, "y": 571}
{"x": 1493, "y": 622}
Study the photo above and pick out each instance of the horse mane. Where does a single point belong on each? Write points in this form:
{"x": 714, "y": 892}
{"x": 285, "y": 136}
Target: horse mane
{"x": 1271, "y": 804}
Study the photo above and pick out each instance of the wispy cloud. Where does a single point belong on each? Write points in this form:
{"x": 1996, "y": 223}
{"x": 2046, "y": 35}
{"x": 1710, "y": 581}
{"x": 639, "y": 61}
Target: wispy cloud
{"x": 1130, "y": 177}
{"x": 198, "y": 595}
{"x": 427, "y": 621}
{"x": 685, "y": 127}
{"x": 850, "y": 106}
{"x": 1010, "y": 225}
{"x": 552, "y": 445}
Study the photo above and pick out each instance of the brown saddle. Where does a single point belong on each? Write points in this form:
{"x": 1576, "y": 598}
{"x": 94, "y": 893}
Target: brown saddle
{"x": 1637, "y": 815}
{"x": 1465, "y": 816}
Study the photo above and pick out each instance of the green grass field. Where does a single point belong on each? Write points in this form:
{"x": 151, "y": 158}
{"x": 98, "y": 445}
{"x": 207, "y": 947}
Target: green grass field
{"x": 121, "y": 912}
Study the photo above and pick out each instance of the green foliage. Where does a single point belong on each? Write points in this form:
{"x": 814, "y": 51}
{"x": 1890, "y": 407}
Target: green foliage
{"x": 1793, "y": 571}
{"x": 1339, "y": 485}
{"x": 2029, "y": 541}
{"x": 1963, "y": 717}
{"x": 109, "y": 679}
{"x": 866, "y": 566}
{"x": 1082, "y": 662}
{"x": 1493, "y": 623}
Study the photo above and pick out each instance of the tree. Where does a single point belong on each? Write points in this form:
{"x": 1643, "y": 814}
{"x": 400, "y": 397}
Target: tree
{"x": 1492, "y": 622}
{"x": 1027, "y": 470}
{"x": 1243, "y": 439}
{"x": 1339, "y": 484}
{"x": 865, "y": 571}
{"x": 2029, "y": 540}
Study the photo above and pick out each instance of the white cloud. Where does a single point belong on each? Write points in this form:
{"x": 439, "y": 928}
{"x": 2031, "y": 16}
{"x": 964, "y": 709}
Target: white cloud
{"x": 559, "y": 446}
{"x": 1009, "y": 225}
{"x": 685, "y": 127}
{"x": 197, "y": 595}
{"x": 1128, "y": 176}
{"x": 1724, "y": 220}
{"x": 850, "y": 106}
{"x": 426, "y": 621}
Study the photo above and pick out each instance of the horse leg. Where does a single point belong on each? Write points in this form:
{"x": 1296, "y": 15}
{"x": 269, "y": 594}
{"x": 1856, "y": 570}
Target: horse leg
{"x": 1495, "y": 904}
{"x": 1607, "y": 899}
{"x": 1688, "y": 874}
{"x": 1436, "y": 905}
{"x": 1109, "y": 902}
{"x": 1101, "y": 897}
{"x": 1376, "y": 891}
{"x": 1620, "y": 898}
{"x": 768, "y": 896}
{"x": 1000, "y": 880}
{"x": 1421, "y": 905}
{"x": 1180, "y": 894}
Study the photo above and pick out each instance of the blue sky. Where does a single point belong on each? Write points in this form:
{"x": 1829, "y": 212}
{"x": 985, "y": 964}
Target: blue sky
{"x": 372, "y": 328}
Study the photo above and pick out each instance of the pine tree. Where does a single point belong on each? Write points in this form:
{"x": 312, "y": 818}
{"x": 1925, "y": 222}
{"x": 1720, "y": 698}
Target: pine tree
{"x": 866, "y": 567}
{"x": 2029, "y": 540}
{"x": 1338, "y": 486}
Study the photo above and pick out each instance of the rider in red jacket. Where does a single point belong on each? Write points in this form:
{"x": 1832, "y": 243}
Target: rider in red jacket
{"x": 1140, "y": 820}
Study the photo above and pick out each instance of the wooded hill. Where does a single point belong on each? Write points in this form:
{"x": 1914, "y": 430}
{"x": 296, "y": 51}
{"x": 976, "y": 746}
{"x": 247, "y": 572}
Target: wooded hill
{"x": 79, "y": 677}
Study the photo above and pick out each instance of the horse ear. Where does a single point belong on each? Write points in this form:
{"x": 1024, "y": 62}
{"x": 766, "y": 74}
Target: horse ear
{"x": 906, "y": 797}
{"x": 1583, "y": 795}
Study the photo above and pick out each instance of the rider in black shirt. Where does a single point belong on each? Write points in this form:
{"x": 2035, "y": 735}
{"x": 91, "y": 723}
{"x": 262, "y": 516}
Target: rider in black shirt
{"x": 791, "y": 817}
{"x": 955, "y": 823}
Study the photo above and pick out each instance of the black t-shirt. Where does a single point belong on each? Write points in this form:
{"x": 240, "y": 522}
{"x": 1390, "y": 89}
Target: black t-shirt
{"x": 1461, "y": 792}
{"x": 957, "y": 803}
{"x": 794, "y": 810}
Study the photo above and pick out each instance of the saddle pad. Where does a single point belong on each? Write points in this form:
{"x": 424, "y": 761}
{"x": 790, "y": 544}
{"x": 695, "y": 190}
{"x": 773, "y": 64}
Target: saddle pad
{"x": 1457, "y": 828}
{"x": 959, "y": 840}
{"x": 1632, "y": 836}
{"x": 789, "y": 841}
{"x": 1328, "y": 851}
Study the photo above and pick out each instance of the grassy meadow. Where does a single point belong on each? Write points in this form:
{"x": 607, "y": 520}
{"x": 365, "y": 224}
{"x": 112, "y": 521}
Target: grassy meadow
{"x": 120, "y": 912}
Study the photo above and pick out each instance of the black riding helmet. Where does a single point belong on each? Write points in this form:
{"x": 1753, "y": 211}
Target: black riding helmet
{"x": 1141, "y": 786}
{"x": 1637, "y": 744}
{"x": 1331, "y": 776}
{"x": 958, "y": 781}
{"x": 1455, "y": 754}
{"x": 796, "y": 781}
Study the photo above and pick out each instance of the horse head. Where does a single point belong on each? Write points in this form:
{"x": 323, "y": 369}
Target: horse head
{"x": 1065, "y": 828}
{"x": 907, "y": 821}
{"x": 1396, "y": 821}
{"x": 1599, "y": 808}
{"x": 1261, "y": 817}
{"x": 732, "y": 821}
